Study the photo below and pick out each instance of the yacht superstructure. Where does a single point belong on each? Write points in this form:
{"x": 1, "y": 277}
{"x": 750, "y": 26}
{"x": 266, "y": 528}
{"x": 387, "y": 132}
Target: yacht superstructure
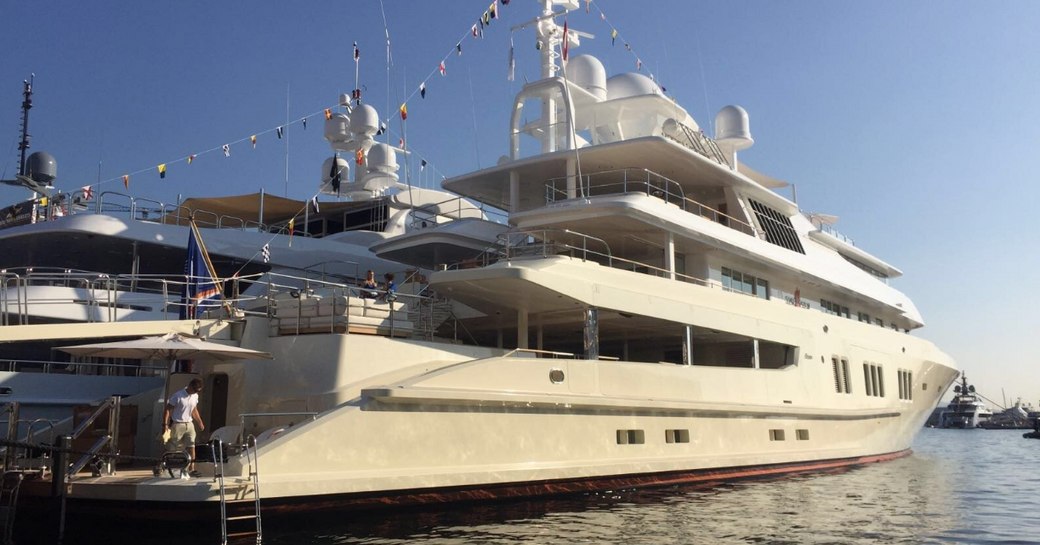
{"x": 654, "y": 314}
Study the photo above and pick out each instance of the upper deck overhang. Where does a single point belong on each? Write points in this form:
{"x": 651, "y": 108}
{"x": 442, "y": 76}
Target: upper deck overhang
{"x": 658, "y": 154}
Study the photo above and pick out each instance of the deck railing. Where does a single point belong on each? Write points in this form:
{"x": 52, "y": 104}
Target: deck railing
{"x": 639, "y": 181}
{"x": 556, "y": 242}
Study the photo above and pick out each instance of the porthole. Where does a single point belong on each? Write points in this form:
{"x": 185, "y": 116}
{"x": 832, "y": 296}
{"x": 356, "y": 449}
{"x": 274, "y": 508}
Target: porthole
{"x": 556, "y": 376}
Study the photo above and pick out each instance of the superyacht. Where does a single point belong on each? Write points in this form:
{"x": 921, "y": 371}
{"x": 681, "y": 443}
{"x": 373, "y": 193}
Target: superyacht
{"x": 655, "y": 314}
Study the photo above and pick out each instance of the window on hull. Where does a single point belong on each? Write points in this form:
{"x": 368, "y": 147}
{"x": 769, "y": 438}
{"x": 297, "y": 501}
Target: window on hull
{"x": 874, "y": 379}
{"x": 745, "y": 283}
{"x": 842, "y": 383}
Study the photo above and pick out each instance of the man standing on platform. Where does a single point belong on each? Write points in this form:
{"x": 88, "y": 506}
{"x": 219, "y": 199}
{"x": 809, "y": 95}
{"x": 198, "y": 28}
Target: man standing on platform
{"x": 182, "y": 408}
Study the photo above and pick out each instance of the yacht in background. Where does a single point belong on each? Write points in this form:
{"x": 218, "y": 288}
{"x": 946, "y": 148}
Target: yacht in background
{"x": 72, "y": 258}
{"x": 655, "y": 314}
{"x": 966, "y": 410}
{"x": 1019, "y": 416}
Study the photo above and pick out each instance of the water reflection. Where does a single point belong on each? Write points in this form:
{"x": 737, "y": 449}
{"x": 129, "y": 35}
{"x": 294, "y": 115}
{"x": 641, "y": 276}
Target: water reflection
{"x": 976, "y": 487}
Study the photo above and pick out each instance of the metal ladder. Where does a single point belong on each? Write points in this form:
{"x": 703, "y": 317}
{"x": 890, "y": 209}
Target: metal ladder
{"x": 249, "y": 450}
{"x": 11, "y": 482}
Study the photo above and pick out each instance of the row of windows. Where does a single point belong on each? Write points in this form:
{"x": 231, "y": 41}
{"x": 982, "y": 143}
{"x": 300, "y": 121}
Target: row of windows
{"x": 841, "y": 376}
{"x": 779, "y": 435}
{"x": 638, "y": 437}
{"x": 906, "y": 381}
{"x": 746, "y": 283}
{"x": 835, "y": 309}
{"x": 874, "y": 379}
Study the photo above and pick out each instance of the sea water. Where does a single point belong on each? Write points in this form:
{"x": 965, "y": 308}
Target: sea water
{"x": 959, "y": 486}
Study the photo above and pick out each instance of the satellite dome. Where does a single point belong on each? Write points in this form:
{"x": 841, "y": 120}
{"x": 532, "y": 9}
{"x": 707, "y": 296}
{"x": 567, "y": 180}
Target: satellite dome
{"x": 41, "y": 167}
{"x": 329, "y": 169}
{"x": 631, "y": 84}
{"x": 364, "y": 120}
{"x": 382, "y": 158}
{"x": 732, "y": 128}
{"x": 337, "y": 128}
{"x": 588, "y": 73}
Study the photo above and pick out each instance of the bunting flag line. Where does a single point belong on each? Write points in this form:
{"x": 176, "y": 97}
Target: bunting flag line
{"x": 265, "y": 252}
{"x": 614, "y": 35}
{"x": 314, "y": 203}
{"x": 476, "y": 30}
{"x": 422, "y": 165}
{"x": 292, "y": 228}
{"x": 359, "y": 156}
{"x": 88, "y": 192}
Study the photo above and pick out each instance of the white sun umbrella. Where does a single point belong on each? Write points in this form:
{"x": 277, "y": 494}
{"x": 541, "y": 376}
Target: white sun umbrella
{"x": 170, "y": 347}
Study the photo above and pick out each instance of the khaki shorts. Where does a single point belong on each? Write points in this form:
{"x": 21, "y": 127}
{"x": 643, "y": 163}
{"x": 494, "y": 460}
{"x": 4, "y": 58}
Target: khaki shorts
{"x": 182, "y": 434}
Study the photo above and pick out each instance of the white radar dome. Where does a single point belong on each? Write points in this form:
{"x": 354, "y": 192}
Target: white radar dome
{"x": 329, "y": 169}
{"x": 364, "y": 121}
{"x": 382, "y": 158}
{"x": 631, "y": 84}
{"x": 337, "y": 129}
{"x": 733, "y": 129}
{"x": 588, "y": 73}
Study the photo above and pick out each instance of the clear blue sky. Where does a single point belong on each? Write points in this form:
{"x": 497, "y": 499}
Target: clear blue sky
{"x": 915, "y": 122}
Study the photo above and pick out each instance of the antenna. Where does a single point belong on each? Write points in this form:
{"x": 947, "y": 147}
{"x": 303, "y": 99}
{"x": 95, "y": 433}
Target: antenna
{"x": 26, "y": 106}
{"x": 39, "y": 170}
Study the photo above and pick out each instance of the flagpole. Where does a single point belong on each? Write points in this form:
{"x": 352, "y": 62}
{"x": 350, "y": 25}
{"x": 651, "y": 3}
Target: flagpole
{"x": 286, "y": 135}
{"x": 209, "y": 264}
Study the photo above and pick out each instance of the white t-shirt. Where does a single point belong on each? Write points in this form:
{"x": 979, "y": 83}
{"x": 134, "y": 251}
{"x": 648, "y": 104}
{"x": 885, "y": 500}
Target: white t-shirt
{"x": 183, "y": 404}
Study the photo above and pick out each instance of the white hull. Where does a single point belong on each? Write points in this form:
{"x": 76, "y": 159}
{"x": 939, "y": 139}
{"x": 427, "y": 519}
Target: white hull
{"x": 442, "y": 418}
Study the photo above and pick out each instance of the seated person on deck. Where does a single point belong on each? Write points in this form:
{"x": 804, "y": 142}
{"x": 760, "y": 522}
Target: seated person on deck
{"x": 369, "y": 286}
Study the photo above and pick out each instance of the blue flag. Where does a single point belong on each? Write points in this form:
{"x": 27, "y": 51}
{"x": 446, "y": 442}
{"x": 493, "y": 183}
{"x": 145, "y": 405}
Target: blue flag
{"x": 200, "y": 290}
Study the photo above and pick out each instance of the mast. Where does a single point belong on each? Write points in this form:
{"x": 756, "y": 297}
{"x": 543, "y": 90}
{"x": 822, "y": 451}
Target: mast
{"x": 26, "y": 106}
